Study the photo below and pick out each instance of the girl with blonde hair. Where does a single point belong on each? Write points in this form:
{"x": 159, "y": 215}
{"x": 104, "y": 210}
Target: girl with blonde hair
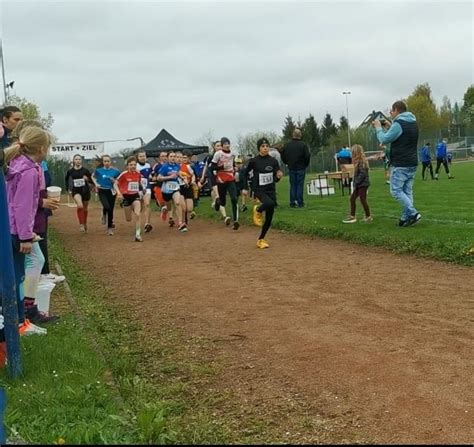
{"x": 361, "y": 184}
{"x": 23, "y": 179}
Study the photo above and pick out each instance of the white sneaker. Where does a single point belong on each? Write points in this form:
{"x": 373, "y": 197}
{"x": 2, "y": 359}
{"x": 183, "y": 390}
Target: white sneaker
{"x": 82, "y": 228}
{"x": 28, "y": 328}
{"x": 53, "y": 278}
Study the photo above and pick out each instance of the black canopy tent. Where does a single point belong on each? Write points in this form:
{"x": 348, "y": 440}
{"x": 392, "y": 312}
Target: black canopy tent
{"x": 165, "y": 142}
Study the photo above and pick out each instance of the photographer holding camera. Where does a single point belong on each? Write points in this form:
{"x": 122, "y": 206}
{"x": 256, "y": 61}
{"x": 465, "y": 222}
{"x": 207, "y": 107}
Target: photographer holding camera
{"x": 402, "y": 134}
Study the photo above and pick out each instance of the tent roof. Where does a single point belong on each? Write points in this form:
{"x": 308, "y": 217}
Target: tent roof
{"x": 370, "y": 117}
{"x": 164, "y": 141}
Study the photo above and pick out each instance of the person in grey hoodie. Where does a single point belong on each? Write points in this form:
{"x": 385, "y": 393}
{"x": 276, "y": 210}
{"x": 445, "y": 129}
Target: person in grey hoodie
{"x": 402, "y": 135}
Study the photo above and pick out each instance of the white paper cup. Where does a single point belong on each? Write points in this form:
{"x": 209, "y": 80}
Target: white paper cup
{"x": 54, "y": 192}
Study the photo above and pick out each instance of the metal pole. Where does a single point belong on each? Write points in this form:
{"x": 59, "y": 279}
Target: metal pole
{"x": 7, "y": 287}
{"x": 3, "y": 74}
{"x": 347, "y": 116}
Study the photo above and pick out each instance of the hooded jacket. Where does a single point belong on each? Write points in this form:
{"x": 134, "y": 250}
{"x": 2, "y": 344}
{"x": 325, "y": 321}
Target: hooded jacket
{"x": 403, "y": 136}
{"x": 23, "y": 192}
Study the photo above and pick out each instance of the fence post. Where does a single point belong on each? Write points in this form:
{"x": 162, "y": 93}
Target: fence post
{"x": 7, "y": 287}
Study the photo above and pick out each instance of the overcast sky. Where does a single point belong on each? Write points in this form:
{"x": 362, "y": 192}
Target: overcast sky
{"x": 117, "y": 70}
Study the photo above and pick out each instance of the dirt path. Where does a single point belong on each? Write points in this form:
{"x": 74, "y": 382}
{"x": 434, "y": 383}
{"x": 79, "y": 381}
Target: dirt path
{"x": 383, "y": 343}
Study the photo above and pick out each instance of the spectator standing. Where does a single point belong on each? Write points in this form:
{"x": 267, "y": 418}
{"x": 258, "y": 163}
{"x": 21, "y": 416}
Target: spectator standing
{"x": 295, "y": 155}
{"x": 442, "y": 159}
{"x": 403, "y": 136}
{"x": 425, "y": 156}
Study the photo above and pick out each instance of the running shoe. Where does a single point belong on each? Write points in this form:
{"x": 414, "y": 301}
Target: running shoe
{"x": 110, "y": 232}
{"x": 227, "y": 220}
{"x": 413, "y": 220}
{"x": 368, "y": 219}
{"x": 85, "y": 228}
{"x": 350, "y": 220}
{"x": 82, "y": 229}
{"x": 262, "y": 243}
{"x": 148, "y": 228}
{"x": 138, "y": 239}
{"x": 235, "y": 226}
{"x": 28, "y": 328}
{"x": 52, "y": 277}
{"x": 43, "y": 318}
{"x": 171, "y": 222}
{"x": 217, "y": 204}
{"x": 102, "y": 220}
{"x": 192, "y": 215}
{"x": 164, "y": 213}
{"x": 257, "y": 217}
{"x": 183, "y": 228}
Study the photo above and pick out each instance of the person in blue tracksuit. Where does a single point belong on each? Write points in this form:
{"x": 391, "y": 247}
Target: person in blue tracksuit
{"x": 442, "y": 159}
{"x": 425, "y": 157}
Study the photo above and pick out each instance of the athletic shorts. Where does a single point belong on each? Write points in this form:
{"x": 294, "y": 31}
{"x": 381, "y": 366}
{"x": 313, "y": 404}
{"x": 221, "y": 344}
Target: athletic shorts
{"x": 85, "y": 194}
{"x": 128, "y": 199}
{"x": 168, "y": 197}
{"x": 186, "y": 192}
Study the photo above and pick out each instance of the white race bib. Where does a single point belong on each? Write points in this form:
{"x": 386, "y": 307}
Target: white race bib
{"x": 79, "y": 183}
{"x": 133, "y": 186}
{"x": 169, "y": 187}
{"x": 265, "y": 179}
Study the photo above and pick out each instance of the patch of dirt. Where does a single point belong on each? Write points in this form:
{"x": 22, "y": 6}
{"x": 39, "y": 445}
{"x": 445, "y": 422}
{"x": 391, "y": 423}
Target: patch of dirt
{"x": 361, "y": 345}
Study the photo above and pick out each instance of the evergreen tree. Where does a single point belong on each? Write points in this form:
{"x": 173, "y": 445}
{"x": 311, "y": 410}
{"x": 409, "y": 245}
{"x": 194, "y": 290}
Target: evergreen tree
{"x": 288, "y": 129}
{"x": 343, "y": 124}
{"x": 311, "y": 134}
{"x": 328, "y": 129}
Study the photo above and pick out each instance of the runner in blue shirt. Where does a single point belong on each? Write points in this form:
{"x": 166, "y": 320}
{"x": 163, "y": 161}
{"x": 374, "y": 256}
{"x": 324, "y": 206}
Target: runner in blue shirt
{"x": 104, "y": 179}
{"x": 442, "y": 159}
{"x": 169, "y": 175}
{"x": 425, "y": 156}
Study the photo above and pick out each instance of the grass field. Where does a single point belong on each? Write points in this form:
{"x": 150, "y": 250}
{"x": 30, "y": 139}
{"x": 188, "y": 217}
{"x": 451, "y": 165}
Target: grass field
{"x": 445, "y": 233}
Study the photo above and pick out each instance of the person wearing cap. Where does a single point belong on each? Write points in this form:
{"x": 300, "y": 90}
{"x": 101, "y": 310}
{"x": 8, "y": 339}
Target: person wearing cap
{"x": 223, "y": 165}
{"x": 266, "y": 172}
{"x": 295, "y": 155}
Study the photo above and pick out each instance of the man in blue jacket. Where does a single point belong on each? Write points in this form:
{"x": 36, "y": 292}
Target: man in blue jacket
{"x": 442, "y": 159}
{"x": 403, "y": 138}
{"x": 425, "y": 156}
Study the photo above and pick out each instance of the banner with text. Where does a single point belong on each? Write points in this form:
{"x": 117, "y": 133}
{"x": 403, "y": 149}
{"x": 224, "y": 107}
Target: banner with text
{"x": 68, "y": 150}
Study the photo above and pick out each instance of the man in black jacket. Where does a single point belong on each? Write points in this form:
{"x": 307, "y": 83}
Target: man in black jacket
{"x": 295, "y": 155}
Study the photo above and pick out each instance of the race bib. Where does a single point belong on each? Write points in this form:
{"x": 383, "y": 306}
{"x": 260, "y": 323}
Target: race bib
{"x": 144, "y": 183}
{"x": 265, "y": 179}
{"x": 79, "y": 183}
{"x": 169, "y": 187}
{"x": 134, "y": 186}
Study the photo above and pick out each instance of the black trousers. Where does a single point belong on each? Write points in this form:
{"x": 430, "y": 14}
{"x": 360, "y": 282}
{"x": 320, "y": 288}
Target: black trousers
{"x": 444, "y": 162}
{"x": 230, "y": 188}
{"x": 107, "y": 199}
{"x": 268, "y": 205}
{"x": 426, "y": 164}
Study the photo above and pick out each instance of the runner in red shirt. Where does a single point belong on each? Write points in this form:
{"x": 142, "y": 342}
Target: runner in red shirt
{"x": 130, "y": 191}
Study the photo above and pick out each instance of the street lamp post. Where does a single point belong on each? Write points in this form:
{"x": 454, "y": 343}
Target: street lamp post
{"x": 3, "y": 74}
{"x": 347, "y": 116}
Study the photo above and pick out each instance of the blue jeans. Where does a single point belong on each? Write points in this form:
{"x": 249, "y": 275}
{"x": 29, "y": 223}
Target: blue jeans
{"x": 401, "y": 188}
{"x": 297, "y": 187}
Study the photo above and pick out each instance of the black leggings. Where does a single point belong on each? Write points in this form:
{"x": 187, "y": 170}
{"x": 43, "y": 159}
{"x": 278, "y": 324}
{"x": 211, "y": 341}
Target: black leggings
{"x": 43, "y": 243}
{"x": 268, "y": 206}
{"x": 426, "y": 164}
{"x": 444, "y": 162}
{"x": 362, "y": 193}
{"x": 230, "y": 188}
{"x": 108, "y": 202}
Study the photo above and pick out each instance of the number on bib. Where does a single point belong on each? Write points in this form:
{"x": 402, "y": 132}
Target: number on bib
{"x": 79, "y": 183}
{"x": 265, "y": 179}
{"x": 169, "y": 187}
{"x": 133, "y": 186}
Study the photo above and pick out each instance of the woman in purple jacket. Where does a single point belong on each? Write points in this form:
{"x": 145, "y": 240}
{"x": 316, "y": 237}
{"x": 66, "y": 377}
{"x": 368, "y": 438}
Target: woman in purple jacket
{"x": 23, "y": 194}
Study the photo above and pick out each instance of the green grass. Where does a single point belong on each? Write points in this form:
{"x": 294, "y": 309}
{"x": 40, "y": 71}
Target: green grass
{"x": 445, "y": 233}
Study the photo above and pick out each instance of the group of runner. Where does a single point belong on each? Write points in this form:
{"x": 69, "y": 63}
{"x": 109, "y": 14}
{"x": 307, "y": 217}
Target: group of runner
{"x": 174, "y": 182}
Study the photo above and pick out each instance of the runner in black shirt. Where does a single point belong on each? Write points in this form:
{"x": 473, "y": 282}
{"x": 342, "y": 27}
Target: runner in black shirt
{"x": 266, "y": 172}
{"x": 78, "y": 179}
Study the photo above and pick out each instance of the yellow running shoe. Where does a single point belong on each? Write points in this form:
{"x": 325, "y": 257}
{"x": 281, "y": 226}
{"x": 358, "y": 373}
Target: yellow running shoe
{"x": 257, "y": 217}
{"x": 262, "y": 243}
